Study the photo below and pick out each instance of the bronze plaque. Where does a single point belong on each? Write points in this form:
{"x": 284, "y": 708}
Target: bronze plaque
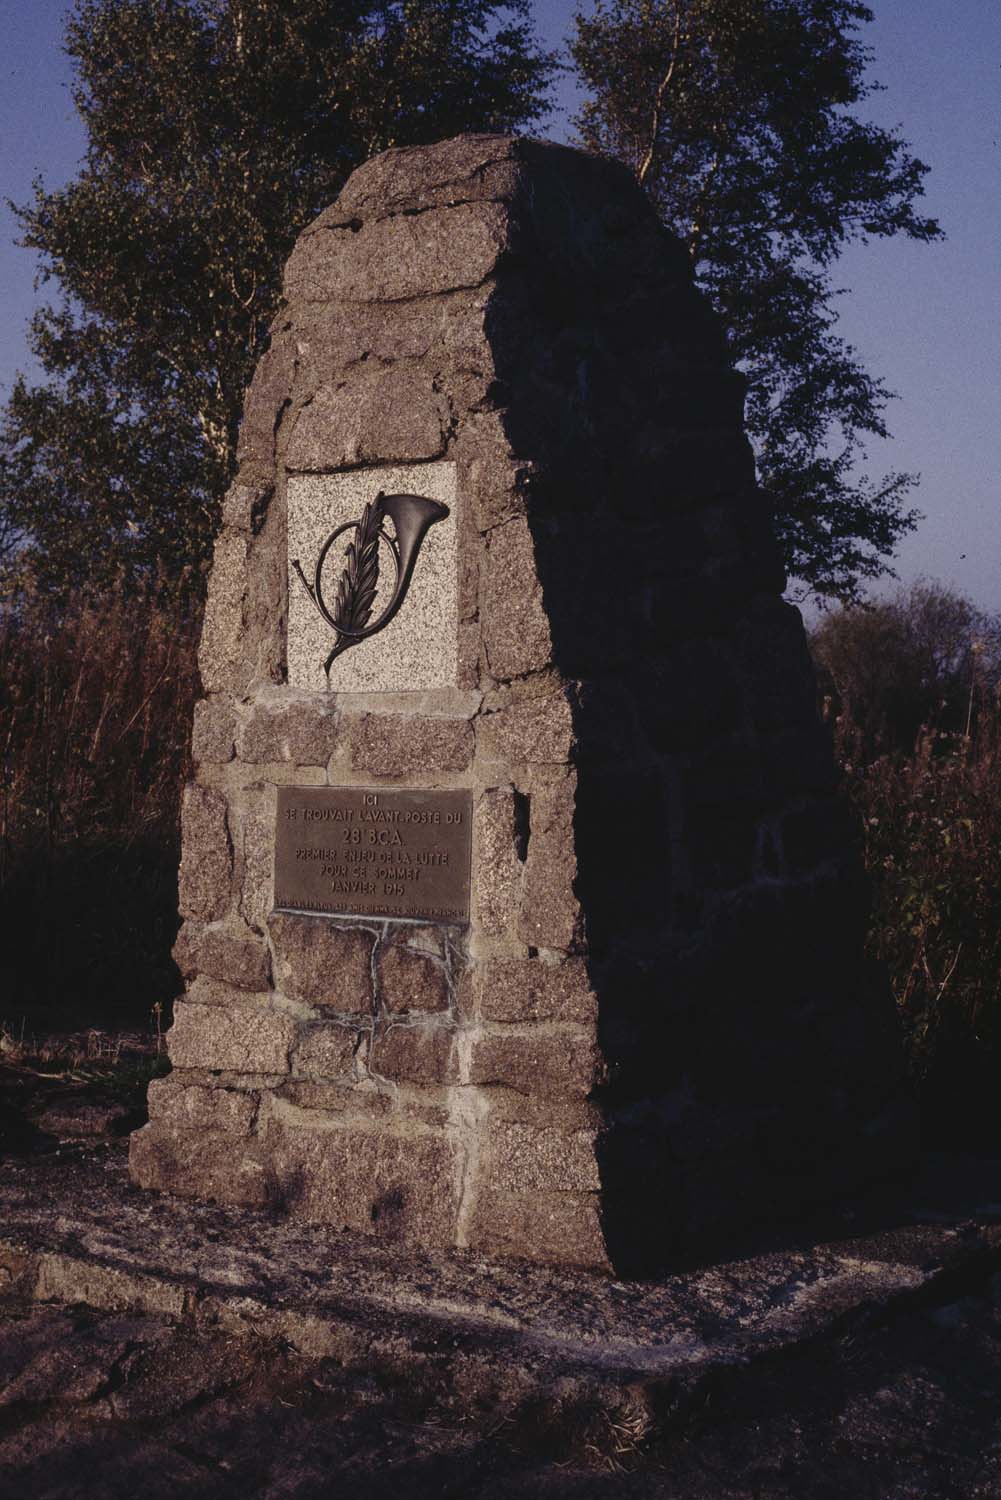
{"x": 359, "y": 851}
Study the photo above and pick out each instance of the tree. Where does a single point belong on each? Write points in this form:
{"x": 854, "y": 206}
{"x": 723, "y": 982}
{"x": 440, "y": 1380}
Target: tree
{"x": 737, "y": 118}
{"x": 216, "y": 130}
{"x": 925, "y": 660}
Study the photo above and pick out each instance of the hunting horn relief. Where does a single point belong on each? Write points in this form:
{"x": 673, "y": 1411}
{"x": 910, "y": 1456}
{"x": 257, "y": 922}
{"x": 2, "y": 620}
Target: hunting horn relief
{"x": 411, "y": 517}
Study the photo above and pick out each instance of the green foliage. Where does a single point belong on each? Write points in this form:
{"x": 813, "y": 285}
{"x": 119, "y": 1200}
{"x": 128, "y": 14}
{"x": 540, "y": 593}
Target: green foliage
{"x": 216, "y": 130}
{"x": 901, "y": 677}
{"x": 738, "y": 118}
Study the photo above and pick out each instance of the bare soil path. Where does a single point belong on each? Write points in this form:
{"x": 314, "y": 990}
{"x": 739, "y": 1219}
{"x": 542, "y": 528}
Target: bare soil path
{"x": 839, "y": 1370}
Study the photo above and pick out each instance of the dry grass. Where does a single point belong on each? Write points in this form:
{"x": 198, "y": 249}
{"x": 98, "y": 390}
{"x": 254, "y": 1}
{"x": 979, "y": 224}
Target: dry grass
{"x": 95, "y": 719}
{"x": 911, "y": 689}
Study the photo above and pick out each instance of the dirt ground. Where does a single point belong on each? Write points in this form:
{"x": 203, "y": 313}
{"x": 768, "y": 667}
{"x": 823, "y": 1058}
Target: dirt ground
{"x": 96, "y": 1405}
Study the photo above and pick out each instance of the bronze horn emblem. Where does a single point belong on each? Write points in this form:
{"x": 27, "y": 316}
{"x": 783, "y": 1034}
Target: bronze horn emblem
{"x": 411, "y": 515}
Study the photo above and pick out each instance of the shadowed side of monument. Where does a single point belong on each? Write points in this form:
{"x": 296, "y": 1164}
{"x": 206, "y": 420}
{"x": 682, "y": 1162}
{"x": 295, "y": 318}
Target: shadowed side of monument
{"x": 533, "y": 927}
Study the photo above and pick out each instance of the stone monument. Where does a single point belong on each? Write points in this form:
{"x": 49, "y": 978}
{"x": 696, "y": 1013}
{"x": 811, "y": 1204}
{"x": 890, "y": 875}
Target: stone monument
{"x": 519, "y": 912}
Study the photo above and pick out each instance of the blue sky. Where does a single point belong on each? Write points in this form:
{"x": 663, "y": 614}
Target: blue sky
{"x": 927, "y": 319}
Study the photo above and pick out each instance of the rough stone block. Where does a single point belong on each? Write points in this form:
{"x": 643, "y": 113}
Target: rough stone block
{"x": 694, "y": 698}
{"x": 222, "y": 653}
{"x": 497, "y": 482}
{"x": 463, "y": 170}
{"x": 397, "y": 745}
{"x": 531, "y": 990}
{"x": 392, "y": 259}
{"x": 326, "y": 1051}
{"x": 553, "y": 1062}
{"x": 257, "y": 847}
{"x": 469, "y": 577}
{"x": 497, "y": 865}
{"x": 393, "y": 413}
{"x": 198, "y": 1164}
{"x": 204, "y": 990}
{"x": 528, "y": 1159}
{"x": 515, "y": 624}
{"x": 334, "y": 340}
{"x": 550, "y": 913}
{"x": 561, "y": 1228}
{"x": 172, "y": 1102}
{"x": 266, "y": 399}
{"x": 530, "y": 730}
{"x": 243, "y": 1040}
{"x": 775, "y": 668}
{"x": 214, "y": 731}
{"x": 303, "y": 733}
{"x": 399, "y": 1186}
{"x": 815, "y": 834}
{"x": 323, "y": 964}
{"x": 243, "y": 505}
{"x": 410, "y": 981}
{"x": 228, "y": 952}
{"x": 205, "y": 880}
{"x": 415, "y": 1054}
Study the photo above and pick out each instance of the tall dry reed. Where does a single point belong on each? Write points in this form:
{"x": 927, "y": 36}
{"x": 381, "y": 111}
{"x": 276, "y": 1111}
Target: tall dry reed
{"x": 911, "y": 688}
{"x": 95, "y": 720}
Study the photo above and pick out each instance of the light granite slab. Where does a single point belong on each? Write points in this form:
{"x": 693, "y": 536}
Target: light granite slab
{"x": 419, "y": 647}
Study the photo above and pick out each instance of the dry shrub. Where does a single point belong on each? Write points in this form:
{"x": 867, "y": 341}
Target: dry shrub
{"x": 911, "y": 688}
{"x": 95, "y": 721}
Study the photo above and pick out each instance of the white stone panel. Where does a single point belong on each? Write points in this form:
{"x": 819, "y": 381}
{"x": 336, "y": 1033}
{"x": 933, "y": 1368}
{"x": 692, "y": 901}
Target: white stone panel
{"x": 419, "y": 647}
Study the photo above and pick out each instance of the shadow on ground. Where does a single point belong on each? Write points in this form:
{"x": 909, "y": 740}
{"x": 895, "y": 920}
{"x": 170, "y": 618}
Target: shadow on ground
{"x": 106, "y": 1406}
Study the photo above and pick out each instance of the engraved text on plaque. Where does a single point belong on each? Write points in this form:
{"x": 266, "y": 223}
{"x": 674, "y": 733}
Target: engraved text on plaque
{"x": 358, "y": 851}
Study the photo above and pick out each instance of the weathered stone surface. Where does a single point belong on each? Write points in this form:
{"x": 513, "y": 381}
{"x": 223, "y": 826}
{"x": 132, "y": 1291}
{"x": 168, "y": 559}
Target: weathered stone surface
{"x": 550, "y": 913}
{"x": 463, "y": 170}
{"x": 204, "y": 990}
{"x": 534, "y": 730}
{"x": 326, "y": 1050}
{"x": 497, "y": 865}
{"x": 214, "y": 731}
{"x": 258, "y": 850}
{"x": 528, "y": 1159}
{"x": 469, "y": 577}
{"x": 205, "y": 880}
{"x": 196, "y": 1164}
{"x": 392, "y": 414}
{"x": 531, "y": 990}
{"x": 498, "y": 483}
{"x": 398, "y": 745}
{"x": 229, "y": 952}
{"x": 334, "y": 339}
{"x": 300, "y": 732}
{"x": 246, "y": 1039}
{"x": 266, "y": 399}
{"x": 410, "y": 981}
{"x": 393, "y": 259}
{"x": 174, "y": 1103}
{"x": 323, "y": 964}
{"x": 398, "y": 1186}
{"x": 515, "y": 625}
{"x": 561, "y": 1228}
{"x": 542, "y": 1061}
{"x": 222, "y": 655}
{"x": 243, "y": 505}
{"x": 414, "y": 1054}
{"x": 340, "y": 1096}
